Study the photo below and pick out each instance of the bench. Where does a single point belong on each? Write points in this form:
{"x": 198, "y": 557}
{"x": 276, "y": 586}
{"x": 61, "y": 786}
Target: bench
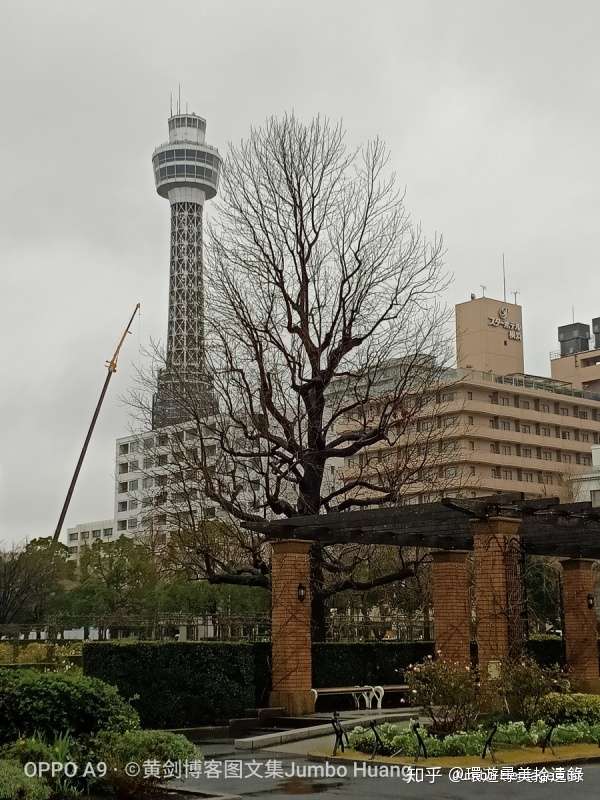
{"x": 368, "y": 693}
{"x": 379, "y": 691}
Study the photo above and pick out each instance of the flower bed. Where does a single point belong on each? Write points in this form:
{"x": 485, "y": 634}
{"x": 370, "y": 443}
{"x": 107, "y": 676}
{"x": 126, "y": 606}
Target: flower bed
{"x": 402, "y": 741}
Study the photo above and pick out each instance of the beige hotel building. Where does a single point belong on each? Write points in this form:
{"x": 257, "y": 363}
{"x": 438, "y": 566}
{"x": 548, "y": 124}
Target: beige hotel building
{"x": 499, "y": 428}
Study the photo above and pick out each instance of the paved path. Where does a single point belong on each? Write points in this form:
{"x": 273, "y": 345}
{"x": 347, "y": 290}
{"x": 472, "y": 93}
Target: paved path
{"x": 362, "y": 788}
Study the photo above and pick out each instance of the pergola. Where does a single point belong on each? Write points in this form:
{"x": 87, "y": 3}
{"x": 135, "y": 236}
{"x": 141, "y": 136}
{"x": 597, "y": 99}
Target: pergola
{"x": 497, "y": 530}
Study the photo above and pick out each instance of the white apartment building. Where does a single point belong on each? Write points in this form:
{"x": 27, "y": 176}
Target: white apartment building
{"x": 85, "y": 534}
{"x": 586, "y": 487}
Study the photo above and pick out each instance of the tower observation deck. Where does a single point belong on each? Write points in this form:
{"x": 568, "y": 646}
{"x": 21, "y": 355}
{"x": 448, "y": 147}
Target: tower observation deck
{"x": 186, "y": 171}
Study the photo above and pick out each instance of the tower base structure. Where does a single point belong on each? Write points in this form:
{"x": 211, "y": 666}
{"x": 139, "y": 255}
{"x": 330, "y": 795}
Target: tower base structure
{"x": 179, "y": 399}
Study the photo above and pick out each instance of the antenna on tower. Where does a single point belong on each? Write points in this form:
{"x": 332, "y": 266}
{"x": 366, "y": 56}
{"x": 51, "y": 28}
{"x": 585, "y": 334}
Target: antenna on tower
{"x": 483, "y": 288}
{"x": 504, "y": 277}
{"x": 179, "y": 98}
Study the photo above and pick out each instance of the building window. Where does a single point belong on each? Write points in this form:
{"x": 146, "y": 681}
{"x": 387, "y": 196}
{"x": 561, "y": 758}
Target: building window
{"x": 161, "y": 519}
{"x": 545, "y": 408}
{"x": 163, "y": 440}
{"x": 148, "y": 483}
{"x": 163, "y": 460}
{"x": 505, "y": 425}
{"x": 469, "y": 395}
{"x": 133, "y": 466}
{"x": 123, "y": 468}
{"x": 132, "y": 523}
{"x": 147, "y": 501}
{"x": 564, "y": 412}
{"x": 447, "y": 397}
{"x": 107, "y": 532}
{"x": 122, "y": 488}
{"x": 526, "y": 452}
{"x": 122, "y": 506}
{"x": 525, "y": 404}
{"x": 123, "y": 449}
{"x": 133, "y": 504}
{"x": 96, "y": 534}
{"x": 507, "y": 474}
{"x": 73, "y": 537}
{"x": 472, "y": 470}
{"x": 585, "y": 437}
{"x": 148, "y": 444}
{"x": 528, "y": 477}
{"x": 210, "y": 450}
{"x": 148, "y": 463}
{"x": 583, "y": 415}
{"x": 566, "y": 434}
{"x": 73, "y": 550}
{"x": 506, "y": 450}
{"x": 567, "y": 458}
{"x": 545, "y": 431}
{"x": 133, "y": 485}
{"x": 85, "y": 534}
{"x": 525, "y": 428}
{"x": 547, "y": 455}
{"x": 122, "y": 525}
{"x": 505, "y": 401}
{"x": 210, "y": 512}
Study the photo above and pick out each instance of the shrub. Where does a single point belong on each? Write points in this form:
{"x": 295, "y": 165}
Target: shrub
{"x": 524, "y": 683}
{"x": 15, "y": 785}
{"x": 63, "y": 749}
{"x": 50, "y": 704}
{"x": 177, "y": 684}
{"x": 449, "y": 692}
{"x": 119, "y": 749}
{"x": 570, "y": 708}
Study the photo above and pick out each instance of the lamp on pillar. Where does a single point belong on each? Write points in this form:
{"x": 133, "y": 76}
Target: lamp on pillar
{"x": 591, "y": 600}
{"x": 301, "y": 592}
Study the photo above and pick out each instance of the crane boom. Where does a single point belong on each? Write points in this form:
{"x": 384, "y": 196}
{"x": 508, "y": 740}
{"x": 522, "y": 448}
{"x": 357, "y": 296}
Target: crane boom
{"x": 111, "y": 369}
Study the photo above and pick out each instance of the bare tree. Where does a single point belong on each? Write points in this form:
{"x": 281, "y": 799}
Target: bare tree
{"x": 325, "y": 347}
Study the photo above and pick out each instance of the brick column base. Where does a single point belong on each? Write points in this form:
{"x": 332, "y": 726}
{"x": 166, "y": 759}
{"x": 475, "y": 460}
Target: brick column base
{"x": 291, "y": 645}
{"x": 498, "y": 592}
{"x": 451, "y": 606}
{"x": 581, "y": 637}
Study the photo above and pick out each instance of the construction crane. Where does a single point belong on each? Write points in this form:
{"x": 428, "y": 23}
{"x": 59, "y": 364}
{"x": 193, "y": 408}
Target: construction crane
{"x": 112, "y": 368}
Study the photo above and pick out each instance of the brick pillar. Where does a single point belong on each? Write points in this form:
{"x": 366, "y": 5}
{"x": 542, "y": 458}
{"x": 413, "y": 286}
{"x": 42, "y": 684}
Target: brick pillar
{"x": 451, "y": 605}
{"x": 291, "y": 628}
{"x": 580, "y": 634}
{"x": 498, "y": 592}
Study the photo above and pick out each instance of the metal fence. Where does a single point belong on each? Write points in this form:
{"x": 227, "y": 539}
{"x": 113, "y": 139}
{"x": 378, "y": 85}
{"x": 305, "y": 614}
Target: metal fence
{"x": 210, "y": 627}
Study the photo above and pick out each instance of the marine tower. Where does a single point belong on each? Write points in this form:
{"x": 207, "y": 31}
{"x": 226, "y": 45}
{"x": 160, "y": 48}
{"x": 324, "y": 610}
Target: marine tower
{"x": 186, "y": 171}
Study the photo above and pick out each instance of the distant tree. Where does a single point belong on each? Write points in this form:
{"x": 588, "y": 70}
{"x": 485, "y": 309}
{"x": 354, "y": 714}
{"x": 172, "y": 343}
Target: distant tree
{"x": 33, "y": 581}
{"x": 325, "y": 344}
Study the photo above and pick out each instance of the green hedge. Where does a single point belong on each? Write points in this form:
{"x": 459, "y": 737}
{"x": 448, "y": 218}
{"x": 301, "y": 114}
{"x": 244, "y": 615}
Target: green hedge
{"x": 345, "y": 664}
{"x": 179, "y": 684}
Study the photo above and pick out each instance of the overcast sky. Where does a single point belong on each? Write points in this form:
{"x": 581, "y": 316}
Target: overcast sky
{"x": 491, "y": 111}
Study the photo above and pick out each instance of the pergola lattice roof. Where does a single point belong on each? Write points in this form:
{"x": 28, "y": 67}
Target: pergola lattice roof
{"x": 548, "y": 528}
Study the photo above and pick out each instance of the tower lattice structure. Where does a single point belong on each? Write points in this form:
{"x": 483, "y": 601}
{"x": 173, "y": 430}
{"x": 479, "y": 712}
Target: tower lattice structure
{"x": 186, "y": 171}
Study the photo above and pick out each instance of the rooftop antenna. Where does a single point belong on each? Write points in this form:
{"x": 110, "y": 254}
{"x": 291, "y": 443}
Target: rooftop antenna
{"x": 573, "y": 313}
{"x": 504, "y": 277}
{"x": 171, "y": 101}
{"x": 514, "y": 293}
{"x": 179, "y": 99}
{"x": 483, "y": 288}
